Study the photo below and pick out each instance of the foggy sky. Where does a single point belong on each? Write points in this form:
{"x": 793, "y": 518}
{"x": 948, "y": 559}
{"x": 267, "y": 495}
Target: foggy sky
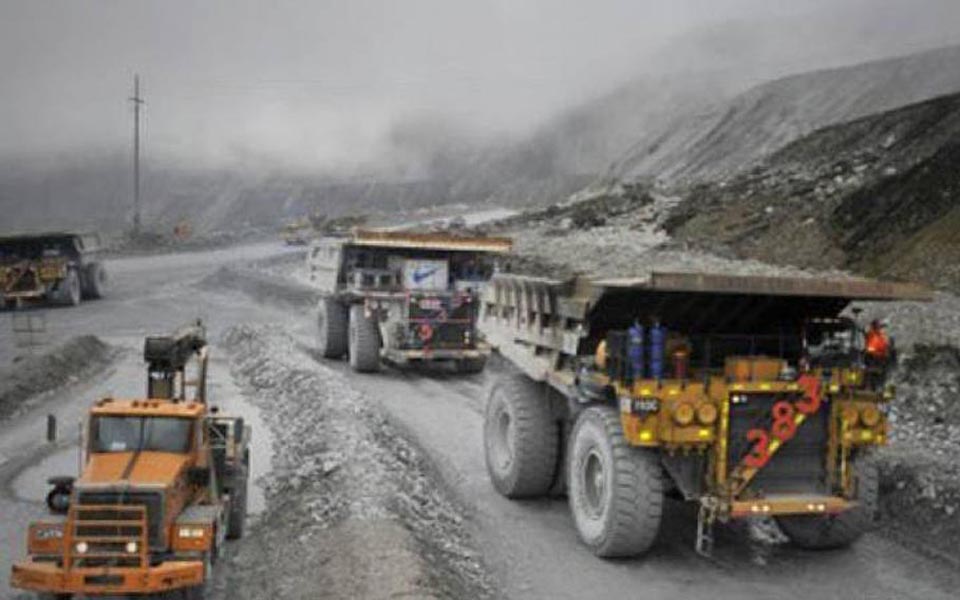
{"x": 321, "y": 84}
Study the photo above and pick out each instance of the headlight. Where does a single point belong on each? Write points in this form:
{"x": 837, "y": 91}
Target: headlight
{"x": 82, "y": 547}
{"x": 131, "y": 547}
{"x": 190, "y": 532}
{"x": 707, "y": 414}
{"x": 683, "y": 414}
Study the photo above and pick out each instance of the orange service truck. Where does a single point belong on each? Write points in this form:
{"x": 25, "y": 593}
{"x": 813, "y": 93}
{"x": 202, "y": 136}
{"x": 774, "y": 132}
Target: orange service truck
{"x": 164, "y": 483}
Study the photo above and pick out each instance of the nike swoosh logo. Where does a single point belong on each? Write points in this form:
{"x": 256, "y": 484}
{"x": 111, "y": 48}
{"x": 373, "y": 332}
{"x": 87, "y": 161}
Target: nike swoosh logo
{"x": 421, "y": 274}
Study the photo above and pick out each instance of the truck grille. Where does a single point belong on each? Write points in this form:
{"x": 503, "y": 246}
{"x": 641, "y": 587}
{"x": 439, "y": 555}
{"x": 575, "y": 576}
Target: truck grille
{"x": 117, "y": 515}
{"x": 104, "y": 532}
{"x": 798, "y": 466}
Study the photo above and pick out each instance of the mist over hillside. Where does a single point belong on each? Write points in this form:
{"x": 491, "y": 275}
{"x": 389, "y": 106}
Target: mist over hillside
{"x": 628, "y": 93}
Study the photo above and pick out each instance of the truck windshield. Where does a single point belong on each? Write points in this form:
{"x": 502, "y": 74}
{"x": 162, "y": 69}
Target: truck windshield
{"x": 832, "y": 342}
{"x": 127, "y": 434}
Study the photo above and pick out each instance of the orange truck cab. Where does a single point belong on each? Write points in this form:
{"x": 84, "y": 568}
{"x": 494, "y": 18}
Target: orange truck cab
{"x": 164, "y": 483}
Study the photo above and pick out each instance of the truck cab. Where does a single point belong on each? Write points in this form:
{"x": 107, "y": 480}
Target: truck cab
{"x": 164, "y": 483}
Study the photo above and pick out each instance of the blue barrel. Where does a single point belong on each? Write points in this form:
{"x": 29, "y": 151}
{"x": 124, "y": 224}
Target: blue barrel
{"x": 658, "y": 342}
{"x": 635, "y": 352}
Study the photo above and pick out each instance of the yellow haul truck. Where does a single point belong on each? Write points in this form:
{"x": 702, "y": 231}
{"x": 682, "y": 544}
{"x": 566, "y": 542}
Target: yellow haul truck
{"x": 750, "y": 396}
{"x": 164, "y": 484}
{"x": 61, "y": 268}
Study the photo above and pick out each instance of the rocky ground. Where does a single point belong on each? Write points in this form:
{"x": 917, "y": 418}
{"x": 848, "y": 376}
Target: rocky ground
{"x": 353, "y": 509}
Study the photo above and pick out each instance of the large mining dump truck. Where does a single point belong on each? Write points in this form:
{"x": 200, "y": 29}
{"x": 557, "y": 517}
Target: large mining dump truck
{"x": 164, "y": 483}
{"x": 401, "y": 296}
{"x": 61, "y": 268}
{"x": 749, "y": 396}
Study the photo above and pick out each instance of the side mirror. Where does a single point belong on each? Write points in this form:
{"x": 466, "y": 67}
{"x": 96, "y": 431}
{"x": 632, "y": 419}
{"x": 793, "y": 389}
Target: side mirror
{"x": 198, "y": 476}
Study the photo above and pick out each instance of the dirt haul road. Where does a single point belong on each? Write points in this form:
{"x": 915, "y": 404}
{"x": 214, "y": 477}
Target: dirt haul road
{"x": 378, "y": 486}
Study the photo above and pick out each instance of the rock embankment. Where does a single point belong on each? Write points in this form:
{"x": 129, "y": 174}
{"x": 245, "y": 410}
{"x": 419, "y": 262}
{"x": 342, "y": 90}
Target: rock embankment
{"x": 353, "y": 509}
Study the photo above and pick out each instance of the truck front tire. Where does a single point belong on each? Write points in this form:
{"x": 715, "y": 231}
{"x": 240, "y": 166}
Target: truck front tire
{"x": 68, "y": 290}
{"x": 364, "y": 341}
{"x": 838, "y": 531}
{"x": 94, "y": 281}
{"x": 331, "y": 328}
{"x": 615, "y": 491}
{"x": 521, "y": 438}
{"x": 238, "y": 509}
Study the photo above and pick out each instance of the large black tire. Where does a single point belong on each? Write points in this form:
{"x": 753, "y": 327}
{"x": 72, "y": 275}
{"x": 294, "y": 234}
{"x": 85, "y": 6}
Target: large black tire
{"x": 615, "y": 491}
{"x": 838, "y": 531}
{"x": 237, "y": 519}
{"x": 94, "y": 281}
{"x": 364, "y": 341}
{"x": 68, "y": 291}
{"x": 331, "y": 328}
{"x": 471, "y": 366}
{"x": 521, "y": 438}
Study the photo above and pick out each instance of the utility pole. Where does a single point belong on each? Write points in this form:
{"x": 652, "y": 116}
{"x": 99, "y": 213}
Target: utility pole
{"x": 137, "y": 101}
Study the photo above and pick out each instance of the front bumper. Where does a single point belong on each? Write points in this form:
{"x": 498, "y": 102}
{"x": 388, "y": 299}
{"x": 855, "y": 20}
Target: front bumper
{"x": 790, "y": 505}
{"x": 401, "y": 355}
{"x": 33, "y": 294}
{"x": 46, "y": 577}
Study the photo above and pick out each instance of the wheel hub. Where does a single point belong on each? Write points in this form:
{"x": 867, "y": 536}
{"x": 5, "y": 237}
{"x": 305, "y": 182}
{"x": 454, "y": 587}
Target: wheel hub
{"x": 504, "y": 438}
{"x": 594, "y": 483}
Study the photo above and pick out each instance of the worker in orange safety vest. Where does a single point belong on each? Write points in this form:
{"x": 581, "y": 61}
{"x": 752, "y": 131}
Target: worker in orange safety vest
{"x": 879, "y": 354}
{"x": 878, "y": 344}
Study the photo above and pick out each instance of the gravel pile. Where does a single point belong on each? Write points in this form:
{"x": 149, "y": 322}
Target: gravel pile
{"x": 631, "y": 246}
{"x": 353, "y": 509}
{"x": 23, "y": 382}
{"x": 920, "y": 474}
{"x": 263, "y": 284}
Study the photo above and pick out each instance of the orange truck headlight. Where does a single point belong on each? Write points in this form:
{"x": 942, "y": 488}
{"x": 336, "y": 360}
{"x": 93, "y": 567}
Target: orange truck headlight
{"x": 683, "y": 414}
{"x": 191, "y": 537}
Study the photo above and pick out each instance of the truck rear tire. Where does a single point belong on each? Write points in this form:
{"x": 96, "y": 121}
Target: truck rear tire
{"x": 521, "y": 438}
{"x": 364, "y": 341}
{"x": 68, "y": 290}
{"x": 94, "y": 281}
{"x": 838, "y": 531}
{"x": 237, "y": 518}
{"x": 615, "y": 491}
{"x": 331, "y": 328}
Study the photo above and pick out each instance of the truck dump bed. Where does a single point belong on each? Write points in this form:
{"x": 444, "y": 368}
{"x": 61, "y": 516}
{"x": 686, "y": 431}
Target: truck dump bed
{"x": 536, "y": 321}
{"x": 429, "y": 241}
